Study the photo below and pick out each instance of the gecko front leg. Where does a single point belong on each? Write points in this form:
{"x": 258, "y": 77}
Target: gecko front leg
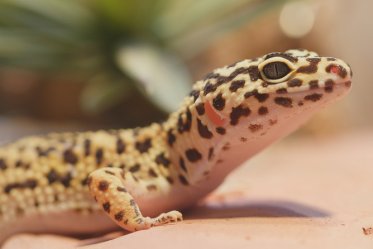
{"x": 107, "y": 186}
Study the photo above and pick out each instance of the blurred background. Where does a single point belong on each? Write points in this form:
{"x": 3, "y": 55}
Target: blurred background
{"x": 84, "y": 65}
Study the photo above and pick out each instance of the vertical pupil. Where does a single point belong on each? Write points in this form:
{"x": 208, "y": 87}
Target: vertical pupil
{"x": 276, "y": 70}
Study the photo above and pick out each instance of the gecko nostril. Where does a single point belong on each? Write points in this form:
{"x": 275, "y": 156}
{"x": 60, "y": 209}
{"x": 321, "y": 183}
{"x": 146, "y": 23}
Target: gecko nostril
{"x": 337, "y": 69}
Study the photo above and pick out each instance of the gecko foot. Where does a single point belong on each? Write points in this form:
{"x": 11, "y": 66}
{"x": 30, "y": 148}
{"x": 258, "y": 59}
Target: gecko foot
{"x": 166, "y": 218}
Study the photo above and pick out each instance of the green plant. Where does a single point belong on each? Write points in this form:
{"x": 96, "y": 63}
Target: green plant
{"x": 118, "y": 47}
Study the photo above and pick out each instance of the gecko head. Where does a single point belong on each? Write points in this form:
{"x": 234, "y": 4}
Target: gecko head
{"x": 253, "y": 96}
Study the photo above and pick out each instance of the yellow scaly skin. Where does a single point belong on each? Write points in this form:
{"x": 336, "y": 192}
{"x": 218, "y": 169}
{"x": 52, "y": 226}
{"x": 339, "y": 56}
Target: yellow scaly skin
{"x": 60, "y": 182}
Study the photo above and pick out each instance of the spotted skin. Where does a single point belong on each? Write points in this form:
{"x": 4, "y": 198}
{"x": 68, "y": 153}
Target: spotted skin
{"x": 229, "y": 116}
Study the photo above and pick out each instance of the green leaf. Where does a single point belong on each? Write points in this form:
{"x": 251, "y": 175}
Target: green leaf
{"x": 102, "y": 92}
{"x": 160, "y": 75}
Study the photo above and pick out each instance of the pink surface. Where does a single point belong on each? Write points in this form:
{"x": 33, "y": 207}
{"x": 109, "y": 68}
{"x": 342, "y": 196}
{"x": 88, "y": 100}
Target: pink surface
{"x": 298, "y": 194}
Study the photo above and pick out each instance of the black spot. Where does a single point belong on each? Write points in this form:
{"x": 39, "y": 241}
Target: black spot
{"x": 283, "y": 101}
{"x": 209, "y": 88}
{"x": 211, "y": 153}
{"x": 235, "y": 85}
{"x": 237, "y": 113}
{"x": 311, "y": 68}
{"x": 281, "y": 90}
{"x": 294, "y": 82}
{"x": 87, "y": 147}
{"x": 182, "y": 164}
{"x": 313, "y": 97}
{"x": 211, "y": 75}
{"x": 120, "y": 146}
{"x": 283, "y": 55}
{"x": 314, "y": 84}
{"x": 134, "y": 168}
{"x": 99, "y": 155}
{"x": 203, "y": 130}
{"x": 260, "y": 97}
{"x": 200, "y": 108}
{"x": 151, "y": 187}
{"x": 262, "y": 110}
{"x": 193, "y": 155}
{"x": 218, "y": 102}
{"x": 329, "y": 85}
{"x": 254, "y": 73}
{"x": 220, "y": 130}
{"x": 109, "y": 172}
{"x": 3, "y": 164}
{"x": 183, "y": 126}
{"x": 103, "y": 185}
{"x": 170, "y": 180}
{"x": 255, "y": 127}
{"x": 194, "y": 94}
{"x": 161, "y": 159}
{"x": 144, "y": 146}
{"x": 170, "y": 138}
{"x": 183, "y": 180}
{"x": 106, "y": 207}
{"x": 152, "y": 173}
{"x": 70, "y": 157}
{"x": 52, "y": 176}
{"x": 119, "y": 216}
{"x": 121, "y": 189}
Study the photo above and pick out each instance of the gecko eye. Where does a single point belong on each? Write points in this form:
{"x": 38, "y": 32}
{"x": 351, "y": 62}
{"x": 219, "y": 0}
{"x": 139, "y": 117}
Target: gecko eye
{"x": 276, "y": 70}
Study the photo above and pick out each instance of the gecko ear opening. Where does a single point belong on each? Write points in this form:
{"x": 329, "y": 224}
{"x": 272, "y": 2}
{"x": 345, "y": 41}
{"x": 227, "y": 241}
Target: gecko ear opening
{"x": 276, "y": 69}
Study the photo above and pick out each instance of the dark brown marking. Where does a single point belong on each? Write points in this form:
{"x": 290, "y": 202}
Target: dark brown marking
{"x": 170, "y": 180}
{"x": 203, "y": 130}
{"x": 311, "y": 68}
{"x": 331, "y": 59}
{"x": 144, "y": 146}
{"x": 106, "y": 207}
{"x": 237, "y": 113}
{"x": 300, "y": 103}
{"x": 260, "y": 97}
{"x": 3, "y": 164}
{"x": 255, "y": 127}
{"x": 183, "y": 180}
{"x": 121, "y": 189}
{"x": 220, "y": 130}
{"x": 193, "y": 155}
{"x": 194, "y": 94}
{"x": 151, "y": 187}
{"x": 161, "y": 159}
{"x": 262, "y": 110}
{"x": 182, "y": 164}
{"x": 283, "y": 55}
{"x": 211, "y": 75}
{"x": 103, "y": 185}
{"x": 235, "y": 85}
{"x": 119, "y": 216}
{"x": 134, "y": 168}
{"x": 272, "y": 122}
{"x": 170, "y": 138}
{"x": 70, "y": 157}
{"x": 329, "y": 85}
{"x": 209, "y": 87}
{"x": 218, "y": 102}
{"x": 52, "y": 176}
{"x": 265, "y": 84}
{"x": 211, "y": 153}
{"x": 87, "y": 147}
{"x": 281, "y": 90}
{"x": 348, "y": 83}
{"x": 294, "y": 82}
{"x": 109, "y": 172}
{"x": 313, "y": 97}
{"x": 200, "y": 108}
{"x": 226, "y": 146}
{"x": 283, "y": 101}
{"x": 243, "y": 139}
{"x": 120, "y": 146}
{"x": 254, "y": 73}
{"x": 99, "y": 155}
{"x": 152, "y": 173}
{"x": 183, "y": 126}
{"x": 314, "y": 84}
{"x": 29, "y": 183}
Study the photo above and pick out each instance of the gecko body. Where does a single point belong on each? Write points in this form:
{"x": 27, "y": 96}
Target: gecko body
{"x": 70, "y": 182}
